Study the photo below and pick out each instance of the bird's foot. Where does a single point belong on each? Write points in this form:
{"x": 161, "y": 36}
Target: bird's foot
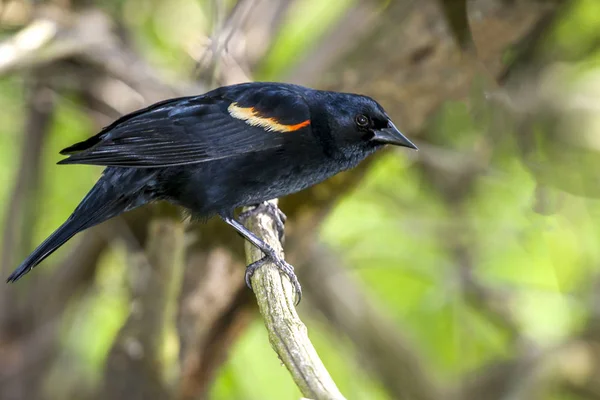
{"x": 283, "y": 266}
{"x": 278, "y": 215}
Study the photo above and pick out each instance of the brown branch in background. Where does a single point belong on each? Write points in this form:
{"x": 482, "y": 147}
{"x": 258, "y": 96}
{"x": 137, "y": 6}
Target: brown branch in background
{"x": 88, "y": 36}
{"x": 21, "y": 212}
{"x": 494, "y": 381}
{"x": 288, "y": 335}
{"x": 52, "y": 36}
{"x": 213, "y": 312}
{"x": 527, "y": 375}
{"x": 134, "y": 364}
{"x": 252, "y": 28}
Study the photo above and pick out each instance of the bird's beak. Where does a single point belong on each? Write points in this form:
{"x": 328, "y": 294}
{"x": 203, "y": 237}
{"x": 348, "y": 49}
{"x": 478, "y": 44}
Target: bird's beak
{"x": 391, "y": 135}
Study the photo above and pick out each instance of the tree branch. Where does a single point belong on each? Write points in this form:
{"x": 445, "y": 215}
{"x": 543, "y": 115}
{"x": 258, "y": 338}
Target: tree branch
{"x": 287, "y": 334}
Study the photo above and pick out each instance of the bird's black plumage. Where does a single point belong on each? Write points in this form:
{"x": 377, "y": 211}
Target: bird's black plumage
{"x": 234, "y": 146}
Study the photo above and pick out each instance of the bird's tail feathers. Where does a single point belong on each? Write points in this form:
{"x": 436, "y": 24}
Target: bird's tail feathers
{"x": 100, "y": 204}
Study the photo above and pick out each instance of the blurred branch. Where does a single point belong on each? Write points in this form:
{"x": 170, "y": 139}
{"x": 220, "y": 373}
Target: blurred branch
{"x": 87, "y": 36}
{"x": 234, "y": 48}
{"x": 134, "y": 365}
{"x": 377, "y": 339}
{"x": 457, "y": 18}
{"x": 287, "y": 334}
{"x": 24, "y": 48}
{"x": 20, "y": 213}
{"x": 56, "y": 35}
{"x": 214, "y": 309}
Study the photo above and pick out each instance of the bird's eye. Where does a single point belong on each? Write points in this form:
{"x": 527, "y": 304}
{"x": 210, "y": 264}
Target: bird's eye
{"x": 362, "y": 120}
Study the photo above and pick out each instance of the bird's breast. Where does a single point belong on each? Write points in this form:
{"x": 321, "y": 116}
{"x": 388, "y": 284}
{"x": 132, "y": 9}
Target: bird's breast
{"x": 222, "y": 185}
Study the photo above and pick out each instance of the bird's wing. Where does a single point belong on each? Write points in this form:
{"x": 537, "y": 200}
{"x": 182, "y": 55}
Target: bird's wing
{"x": 197, "y": 129}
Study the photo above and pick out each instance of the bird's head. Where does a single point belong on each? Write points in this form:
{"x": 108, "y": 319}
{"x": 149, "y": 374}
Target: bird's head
{"x": 359, "y": 123}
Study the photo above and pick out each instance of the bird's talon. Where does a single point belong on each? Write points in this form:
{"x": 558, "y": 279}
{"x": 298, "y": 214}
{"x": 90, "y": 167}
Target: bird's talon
{"x": 276, "y": 211}
{"x": 282, "y": 215}
{"x": 279, "y": 217}
{"x": 288, "y": 270}
{"x": 284, "y": 267}
{"x": 251, "y": 269}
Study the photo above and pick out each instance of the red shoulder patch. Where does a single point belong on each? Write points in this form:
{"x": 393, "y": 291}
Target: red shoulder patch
{"x": 250, "y": 116}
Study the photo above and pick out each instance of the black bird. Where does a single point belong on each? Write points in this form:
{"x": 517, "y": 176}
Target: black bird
{"x": 234, "y": 146}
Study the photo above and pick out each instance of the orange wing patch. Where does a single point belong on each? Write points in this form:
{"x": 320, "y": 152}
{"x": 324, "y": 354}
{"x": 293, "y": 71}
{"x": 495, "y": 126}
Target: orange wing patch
{"x": 252, "y": 118}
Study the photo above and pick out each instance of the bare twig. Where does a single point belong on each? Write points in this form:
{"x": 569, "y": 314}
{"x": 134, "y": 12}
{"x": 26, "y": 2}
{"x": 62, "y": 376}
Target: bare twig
{"x": 287, "y": 334}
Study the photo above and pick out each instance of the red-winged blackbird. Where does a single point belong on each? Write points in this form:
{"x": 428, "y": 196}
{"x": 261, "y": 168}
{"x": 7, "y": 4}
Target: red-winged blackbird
{"x": 234, "y": 146}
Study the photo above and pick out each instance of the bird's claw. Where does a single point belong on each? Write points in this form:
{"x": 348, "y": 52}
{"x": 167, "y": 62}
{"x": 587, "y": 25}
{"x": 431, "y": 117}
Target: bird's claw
{"x": 283, "y": 266}
{"x": 279, "y": 217}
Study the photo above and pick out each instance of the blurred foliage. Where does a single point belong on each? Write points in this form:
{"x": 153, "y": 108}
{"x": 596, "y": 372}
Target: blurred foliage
{"x": 391, "y": 230}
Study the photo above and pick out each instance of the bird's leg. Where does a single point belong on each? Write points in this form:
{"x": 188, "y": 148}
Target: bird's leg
{"x": 272, "y": 209}
{"x": 283, "y": 266}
